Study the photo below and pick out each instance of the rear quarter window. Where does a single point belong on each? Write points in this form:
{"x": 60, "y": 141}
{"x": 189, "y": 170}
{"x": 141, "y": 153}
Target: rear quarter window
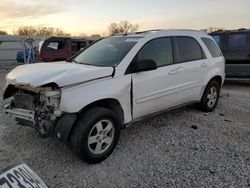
{"x": 212, "y": 47}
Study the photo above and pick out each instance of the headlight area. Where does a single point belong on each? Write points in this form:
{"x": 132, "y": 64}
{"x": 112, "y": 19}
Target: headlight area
{"x": 35, "y": 107}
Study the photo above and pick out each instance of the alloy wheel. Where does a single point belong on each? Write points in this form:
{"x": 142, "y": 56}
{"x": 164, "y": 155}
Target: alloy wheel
{"x": 212, "y": 97}
{"x": 101, "y": 136}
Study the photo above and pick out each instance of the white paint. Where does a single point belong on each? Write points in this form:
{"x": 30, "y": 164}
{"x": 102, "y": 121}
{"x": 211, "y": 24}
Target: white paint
{"x": 61, "y": 73}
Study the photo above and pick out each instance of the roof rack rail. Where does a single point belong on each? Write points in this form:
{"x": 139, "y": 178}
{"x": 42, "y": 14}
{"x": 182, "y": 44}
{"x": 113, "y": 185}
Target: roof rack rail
{"x": 152, "y": 30}
{"x": 138, "y": 32}
{"x": 118, "y": 34}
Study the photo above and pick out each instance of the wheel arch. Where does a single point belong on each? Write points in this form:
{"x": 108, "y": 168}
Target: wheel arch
{"x": 109, "y": 103}
{"x": 66, "y": 123}
{"x": 203, "y": 105}
{"x": 217, "y": 78}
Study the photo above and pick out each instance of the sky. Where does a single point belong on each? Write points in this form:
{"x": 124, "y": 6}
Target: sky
{"x": 94, "y": 16}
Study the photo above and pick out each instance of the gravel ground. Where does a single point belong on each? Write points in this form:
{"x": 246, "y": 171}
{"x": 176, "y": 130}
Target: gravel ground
{"x": 182, "y": 148}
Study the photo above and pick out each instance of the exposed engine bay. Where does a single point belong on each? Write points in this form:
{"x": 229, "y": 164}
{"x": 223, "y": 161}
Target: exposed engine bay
{"x": 35, "y": 107}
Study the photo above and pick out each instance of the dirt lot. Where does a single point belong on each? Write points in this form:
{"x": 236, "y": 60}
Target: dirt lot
{"x": 165, "y": 151}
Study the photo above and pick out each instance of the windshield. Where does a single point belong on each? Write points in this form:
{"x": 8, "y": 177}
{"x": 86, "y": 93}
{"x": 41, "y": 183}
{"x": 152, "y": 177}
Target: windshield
{"x": 107, "y": 52}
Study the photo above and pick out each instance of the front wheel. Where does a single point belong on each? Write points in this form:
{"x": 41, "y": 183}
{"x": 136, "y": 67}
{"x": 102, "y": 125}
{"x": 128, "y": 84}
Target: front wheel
{"x": 210, "y": 97}
{"x": 96, "y": 134}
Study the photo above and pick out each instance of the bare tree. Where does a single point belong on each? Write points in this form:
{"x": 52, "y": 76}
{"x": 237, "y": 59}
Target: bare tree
{"x": 3, "y": 33}
{"x": 122, "y": 27}
{"x": 40, "y": 31}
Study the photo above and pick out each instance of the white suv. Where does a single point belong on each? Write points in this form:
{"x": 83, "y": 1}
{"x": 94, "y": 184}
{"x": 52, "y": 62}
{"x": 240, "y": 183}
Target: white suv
{"x": 114, "y": 82}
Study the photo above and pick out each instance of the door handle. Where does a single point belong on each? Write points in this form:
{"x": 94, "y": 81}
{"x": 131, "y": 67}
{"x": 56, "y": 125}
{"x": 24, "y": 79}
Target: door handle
{"x": 204, "y": 65}
{"x": 174, "y": 71}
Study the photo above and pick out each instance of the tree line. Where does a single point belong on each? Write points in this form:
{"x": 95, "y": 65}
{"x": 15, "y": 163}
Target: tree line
{"x": 114, "y": 28}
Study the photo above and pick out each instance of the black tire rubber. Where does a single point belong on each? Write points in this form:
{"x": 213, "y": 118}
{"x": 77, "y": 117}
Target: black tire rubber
{"x": 203, "y": 103}
{"x": 82, "y": 128}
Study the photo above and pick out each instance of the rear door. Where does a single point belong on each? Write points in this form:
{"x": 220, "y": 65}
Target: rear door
{"x": 192, "y": 67}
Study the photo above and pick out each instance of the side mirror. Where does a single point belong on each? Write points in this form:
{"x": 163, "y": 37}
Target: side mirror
{"x": 144, "y": 65}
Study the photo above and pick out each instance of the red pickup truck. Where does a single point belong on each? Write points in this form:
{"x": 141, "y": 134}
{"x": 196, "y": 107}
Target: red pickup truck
{"x": 61, "y": 48}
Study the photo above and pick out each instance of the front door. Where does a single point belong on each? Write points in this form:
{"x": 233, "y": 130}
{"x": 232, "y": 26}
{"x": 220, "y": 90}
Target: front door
{"x": 157, "y": 89}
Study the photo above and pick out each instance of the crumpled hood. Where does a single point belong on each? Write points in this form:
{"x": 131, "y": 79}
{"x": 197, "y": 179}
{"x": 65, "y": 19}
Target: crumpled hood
{"x": 61, "y": 73}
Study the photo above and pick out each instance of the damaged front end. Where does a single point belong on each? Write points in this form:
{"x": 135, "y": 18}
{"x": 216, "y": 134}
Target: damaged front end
{"x": 34, "y": 107}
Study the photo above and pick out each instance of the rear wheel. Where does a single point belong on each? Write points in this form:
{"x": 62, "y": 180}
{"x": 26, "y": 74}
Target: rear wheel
{"x": 210, "y": 97}
{"x": 96, "y": 134}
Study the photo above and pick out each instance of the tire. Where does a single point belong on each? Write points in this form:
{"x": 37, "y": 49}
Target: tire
{"x": 96, "y": 134}
{"x": 210, "y": 97}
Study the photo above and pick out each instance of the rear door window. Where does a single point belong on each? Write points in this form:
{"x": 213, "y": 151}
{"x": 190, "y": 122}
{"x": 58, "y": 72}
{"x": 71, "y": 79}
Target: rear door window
{"x": 212, "y": 47}
{"x": 187, "y": 49}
